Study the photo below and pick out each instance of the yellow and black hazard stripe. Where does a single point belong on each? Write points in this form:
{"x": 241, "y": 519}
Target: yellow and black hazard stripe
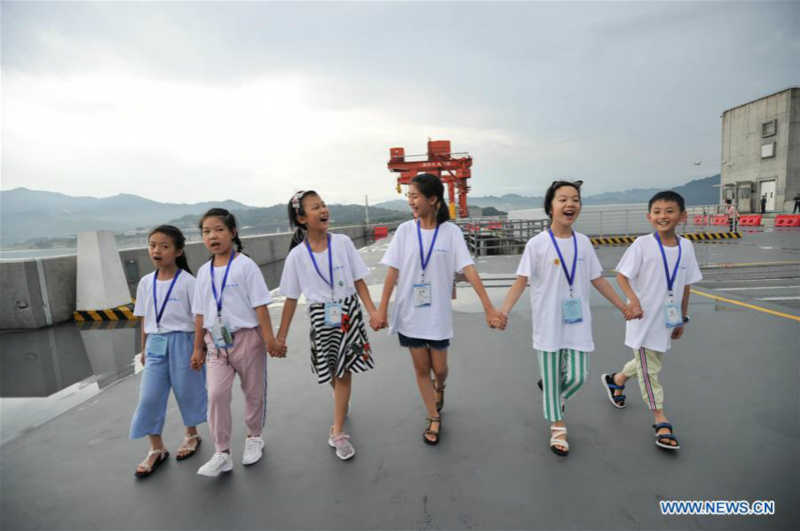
{"x": 106, "y": 325}
{"x": 120, "y": 313}
{"x": 613, "y": 240}
{"x": 712, "y": 236}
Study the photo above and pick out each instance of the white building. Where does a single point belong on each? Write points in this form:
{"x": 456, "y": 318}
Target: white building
{"x": 761, "y": 152}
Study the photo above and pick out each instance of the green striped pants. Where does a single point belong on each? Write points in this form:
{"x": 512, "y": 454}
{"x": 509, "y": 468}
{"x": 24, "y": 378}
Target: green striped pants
{"x": 562, "y": 373}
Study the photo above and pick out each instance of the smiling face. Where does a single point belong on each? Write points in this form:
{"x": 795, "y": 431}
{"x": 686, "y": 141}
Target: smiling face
{"x": 315, "y": 213}
{"x": 665, "y": 216}
{"x": 421, "y": 206}
{"x": 162, "y": 250}
{"x": 566, "y": 205}
{"x": 217, "y": 236}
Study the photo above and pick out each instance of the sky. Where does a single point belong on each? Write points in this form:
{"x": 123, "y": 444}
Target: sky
{"x": 201, "y": 101}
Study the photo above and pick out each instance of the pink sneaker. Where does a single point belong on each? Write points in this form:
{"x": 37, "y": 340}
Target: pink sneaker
{"x": 344, "y": 450}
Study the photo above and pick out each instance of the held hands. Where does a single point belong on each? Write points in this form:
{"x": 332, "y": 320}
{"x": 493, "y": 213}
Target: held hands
{"x": 198, "y": 358}
{"x": 496, "y": 319}
{"x": 378, "y": 320}
{"x": 276, "y": 347}
{"x": 633, "y": 311}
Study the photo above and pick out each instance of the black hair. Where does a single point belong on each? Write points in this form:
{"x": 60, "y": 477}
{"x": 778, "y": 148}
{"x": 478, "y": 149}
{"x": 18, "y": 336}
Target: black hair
{"x": 431, "y": 186}
{"x": 669, "y": 195}
{"x": 178, "y": 239}
{"x": 551, "y": 194}
{"x": 228, "y": 219}
{"x": 295, "y": 210}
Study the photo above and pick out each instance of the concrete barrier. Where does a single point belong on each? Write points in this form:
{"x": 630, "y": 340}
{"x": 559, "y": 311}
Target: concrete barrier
{"x": 101, "y": 282}
{"x": 41, "y": 292}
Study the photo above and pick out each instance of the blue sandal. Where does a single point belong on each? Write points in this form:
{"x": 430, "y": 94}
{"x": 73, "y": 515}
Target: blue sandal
{"x": 609, "y": 385}
{"x": 667, "y": 436}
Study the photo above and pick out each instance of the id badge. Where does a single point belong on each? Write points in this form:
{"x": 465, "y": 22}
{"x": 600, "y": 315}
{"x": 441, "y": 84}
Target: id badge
{"x": 422, "y": 295}
{"x": 573, "y": 312}
{"x": 221, "y": 335}
{"x": 673, "y": 315}
{"x": 333, "y": 314}
{"x": 156, "y": 345}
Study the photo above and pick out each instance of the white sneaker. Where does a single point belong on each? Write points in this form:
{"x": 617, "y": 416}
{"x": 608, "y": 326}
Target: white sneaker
{"x": 253, "y": 448}
{"x": 344, "y": 450}
{"x": 220, "y": 462}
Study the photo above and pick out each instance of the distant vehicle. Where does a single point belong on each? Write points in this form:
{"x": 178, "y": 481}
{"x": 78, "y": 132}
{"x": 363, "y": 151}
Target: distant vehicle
{"x": 698, "y": 162}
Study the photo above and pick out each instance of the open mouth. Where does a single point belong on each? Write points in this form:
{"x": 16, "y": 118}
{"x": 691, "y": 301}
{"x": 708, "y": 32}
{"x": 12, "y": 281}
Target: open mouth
{"x": 323, "y": 219}
{"x": 569, "y": 214}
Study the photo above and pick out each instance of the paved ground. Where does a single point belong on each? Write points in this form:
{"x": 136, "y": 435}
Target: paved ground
{"x": 731, "y": 390}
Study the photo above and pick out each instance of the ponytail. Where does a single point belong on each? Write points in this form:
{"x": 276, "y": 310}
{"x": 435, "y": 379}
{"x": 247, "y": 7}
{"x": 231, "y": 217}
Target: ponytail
{"x": 297, "y": 238}
{"x": 296, "y": 210}
{"x": 431, "y": 186}
{"x": 179, "y": 240}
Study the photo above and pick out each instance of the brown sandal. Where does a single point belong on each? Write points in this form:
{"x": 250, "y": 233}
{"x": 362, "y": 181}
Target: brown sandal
{"x": 429, "y": 431}
{"x": 187, "y": 447}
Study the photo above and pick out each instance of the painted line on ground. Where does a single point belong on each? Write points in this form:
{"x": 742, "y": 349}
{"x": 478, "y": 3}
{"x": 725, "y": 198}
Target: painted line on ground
{"x": 744, "y": 304}
{"x": 758, "y": 287}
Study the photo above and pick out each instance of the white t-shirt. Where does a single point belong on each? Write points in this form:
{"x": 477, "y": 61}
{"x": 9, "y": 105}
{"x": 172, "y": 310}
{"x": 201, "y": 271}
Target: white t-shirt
{"x": 450, "y": 255}
{"x": 550, "y": 288}
{"x": 643, "y": 265}
{"x": 300, "y": 277}
{"x": 245, "y": 289}
{"x": 177, "y": 315}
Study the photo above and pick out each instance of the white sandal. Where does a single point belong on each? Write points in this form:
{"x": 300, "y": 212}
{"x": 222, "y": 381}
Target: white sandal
{"x": 187, "y": 447}
{"x": 555, "y": 431}
{"x": 145, "y": 465}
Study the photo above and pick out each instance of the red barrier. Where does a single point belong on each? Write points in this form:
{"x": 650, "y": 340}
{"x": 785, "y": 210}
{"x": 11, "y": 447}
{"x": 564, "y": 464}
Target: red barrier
{"x": 380, "y": 232}
{"x": 701, "y": 220}
{"x": 721, "y": 220}
{"x": 750, "y": 220}
{"x": 787, "y": 220}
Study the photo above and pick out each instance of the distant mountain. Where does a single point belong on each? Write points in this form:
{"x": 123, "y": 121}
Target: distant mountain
{"x": 696, "y": 192}
{"x": 34, "y": 217}
{"x": 27, "y": 214}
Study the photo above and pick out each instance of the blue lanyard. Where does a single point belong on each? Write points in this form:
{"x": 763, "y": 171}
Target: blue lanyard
{"x": 159, "y": 314}
{"x": 670, "y": 280}
{"x": 570, "y": 276}
{"x": 218, "y": 299}
{"x": 425, "y": 260}
{"x": 330, "y": 263}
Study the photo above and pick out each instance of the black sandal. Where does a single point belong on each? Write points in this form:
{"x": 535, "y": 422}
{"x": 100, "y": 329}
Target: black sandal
{"x": 439, "y": 403}
{"x": 609, "y": 385}
{"x": 187, "y": 448}
{"x": 665, "y": 436}
{"x": 429, "y": 431}
{"x": 162, "y": 454}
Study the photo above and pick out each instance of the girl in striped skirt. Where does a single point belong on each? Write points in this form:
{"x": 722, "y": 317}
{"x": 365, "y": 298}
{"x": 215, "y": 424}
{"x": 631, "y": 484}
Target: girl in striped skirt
{"x": 328, "y": 271}
{"x": 561, "y": 264}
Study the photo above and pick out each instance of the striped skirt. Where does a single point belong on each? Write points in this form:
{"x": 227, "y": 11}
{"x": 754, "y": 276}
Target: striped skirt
{"x": 342, "y": 349}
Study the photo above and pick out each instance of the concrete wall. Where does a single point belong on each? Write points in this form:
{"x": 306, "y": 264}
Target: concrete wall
{"x": 741, "y": 149}
{"x": 22, "y": 304}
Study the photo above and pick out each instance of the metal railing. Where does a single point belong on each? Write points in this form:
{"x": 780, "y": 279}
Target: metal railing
{"x": 491, "y": 236}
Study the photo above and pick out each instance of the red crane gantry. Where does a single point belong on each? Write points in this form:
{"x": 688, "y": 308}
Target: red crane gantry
{"x": 452, "y": 168}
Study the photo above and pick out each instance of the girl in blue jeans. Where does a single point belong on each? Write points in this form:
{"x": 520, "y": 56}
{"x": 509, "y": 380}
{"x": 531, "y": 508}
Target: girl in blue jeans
{"x": 164, "y": 300}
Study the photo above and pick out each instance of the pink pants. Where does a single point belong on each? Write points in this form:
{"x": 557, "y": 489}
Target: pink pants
{"x": 248, "y": 359}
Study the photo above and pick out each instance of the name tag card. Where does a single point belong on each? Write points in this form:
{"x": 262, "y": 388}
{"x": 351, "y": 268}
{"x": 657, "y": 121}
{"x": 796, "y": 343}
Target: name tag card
{"x": 673, "y": 315}
{"x": 422, "y": 295}
{"x": 573, "y": 312}
{"x": 221, "y": 335}
{"x": 156, "y": 346}
{"x": 333, "y": 314}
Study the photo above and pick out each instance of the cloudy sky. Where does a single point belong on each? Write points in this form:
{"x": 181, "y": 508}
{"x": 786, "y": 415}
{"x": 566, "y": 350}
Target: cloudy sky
{"x": 196, "y": 101}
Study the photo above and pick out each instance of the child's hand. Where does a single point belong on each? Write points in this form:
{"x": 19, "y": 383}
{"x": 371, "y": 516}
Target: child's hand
{"x": 677, "y": 332}
{"x": 633, "y": 311}
{"x": 142, "y": 357}
{"x": 274, "y": 347}
{"x": 198, "y": 358}
{"x": 500, "y": 322}
{"x": 378, "y": 320}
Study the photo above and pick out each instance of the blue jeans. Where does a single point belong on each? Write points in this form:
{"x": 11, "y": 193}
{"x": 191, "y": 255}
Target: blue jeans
{"x": 171, "y": 371}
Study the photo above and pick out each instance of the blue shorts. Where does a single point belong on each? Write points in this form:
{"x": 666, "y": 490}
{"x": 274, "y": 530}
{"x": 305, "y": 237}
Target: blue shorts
{"x": 413, "y": 342}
